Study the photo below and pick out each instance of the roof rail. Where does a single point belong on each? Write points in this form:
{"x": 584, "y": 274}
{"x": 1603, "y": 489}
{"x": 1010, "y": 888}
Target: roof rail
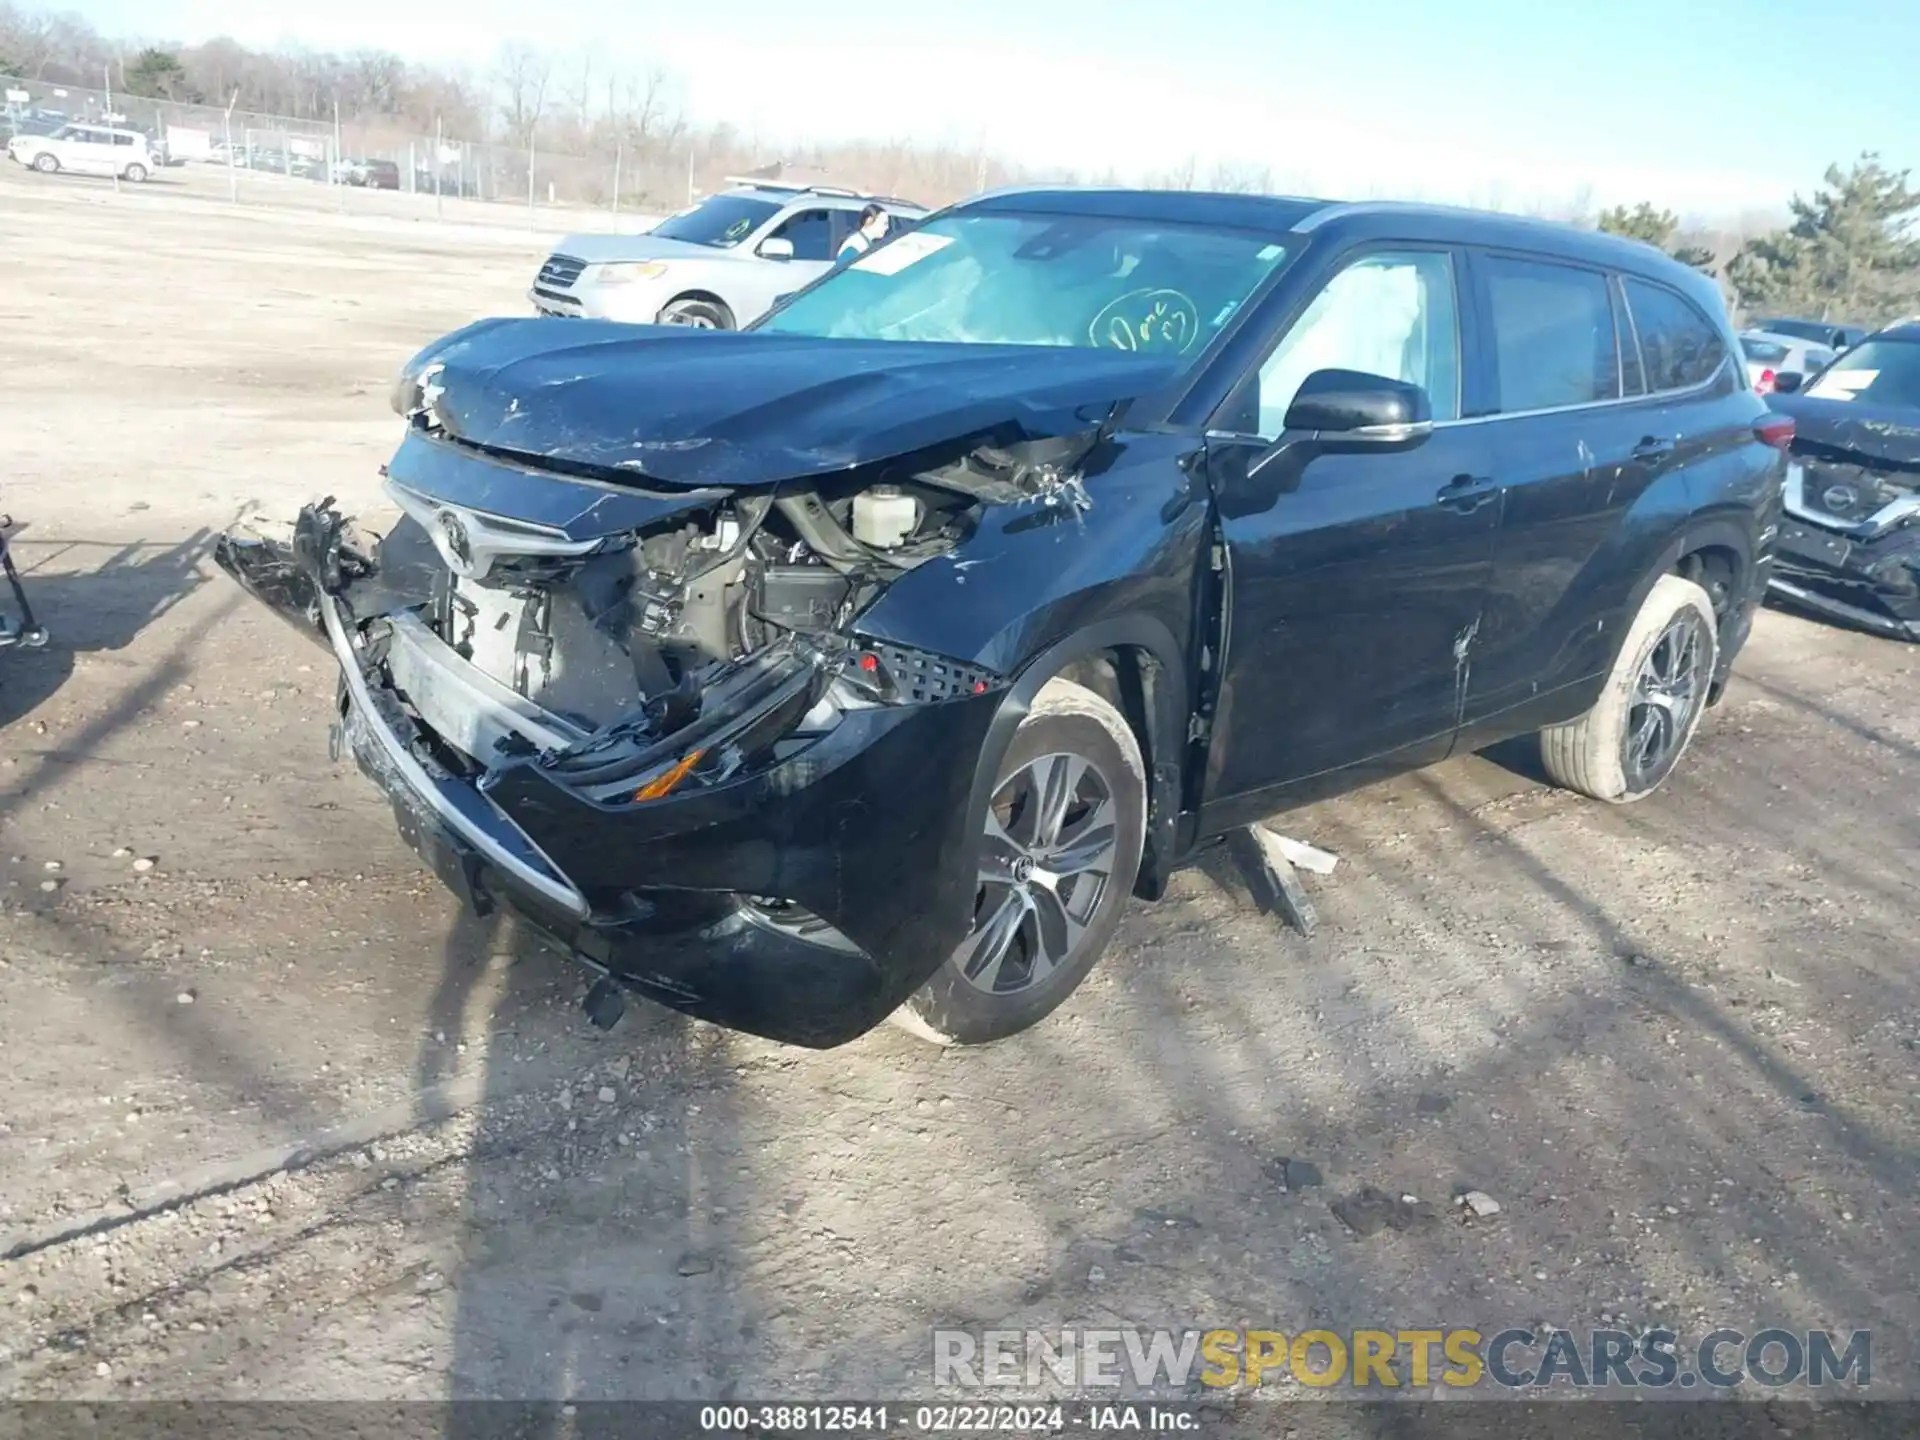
{"x": 794, "y": 187}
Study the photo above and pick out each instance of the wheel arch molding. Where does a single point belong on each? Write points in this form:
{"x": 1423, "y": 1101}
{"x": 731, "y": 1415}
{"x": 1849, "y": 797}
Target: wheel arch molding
{"x": 1134, "y": 662}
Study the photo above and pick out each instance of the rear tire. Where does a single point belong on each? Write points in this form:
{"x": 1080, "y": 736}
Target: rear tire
{"x": 46, "y": 164}
{"x": 1628, "y": 743}
{"x": 1064, "y": 831}
{"x": 700, "y": 314}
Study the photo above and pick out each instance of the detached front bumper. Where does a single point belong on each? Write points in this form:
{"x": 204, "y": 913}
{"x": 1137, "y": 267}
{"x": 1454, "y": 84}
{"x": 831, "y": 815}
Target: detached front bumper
{"x": 802, "y": 901}
{"x": 1865, "y": 573}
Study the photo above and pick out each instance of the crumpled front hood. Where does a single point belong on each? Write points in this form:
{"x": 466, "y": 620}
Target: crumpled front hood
{"x": 1878, "y": 439}
{"x": 697, "y": 407}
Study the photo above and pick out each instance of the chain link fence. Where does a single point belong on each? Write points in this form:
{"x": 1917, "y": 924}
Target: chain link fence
{"x": 366, "y": 164}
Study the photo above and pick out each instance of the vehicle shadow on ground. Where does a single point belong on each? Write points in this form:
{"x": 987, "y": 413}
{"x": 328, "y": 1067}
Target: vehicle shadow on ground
{"x": 1668, "y": 1110}
{"x": 1674, "y": 1119}
{"x": 595, "y": 1258}
{"x": 96, "y": 597}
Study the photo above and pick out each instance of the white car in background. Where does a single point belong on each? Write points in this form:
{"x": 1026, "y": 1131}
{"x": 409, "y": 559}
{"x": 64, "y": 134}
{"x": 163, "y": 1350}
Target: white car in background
{"x": 717, "y": 265}
{"x": 1769, "y": 356}
{"x": 86, "y": 150}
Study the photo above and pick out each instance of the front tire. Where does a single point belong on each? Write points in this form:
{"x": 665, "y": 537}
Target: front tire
{"x": 137, "y": 173}
{"x": 1063, "y": 835}
{"x": 1628, "y": 743}
{"x": 700, "y": 314}
{"x": 45, "y": 163}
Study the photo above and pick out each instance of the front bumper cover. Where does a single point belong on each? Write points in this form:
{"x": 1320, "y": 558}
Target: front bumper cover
{"x": 1864, "y": 572}
{"x": 683, "y": 898}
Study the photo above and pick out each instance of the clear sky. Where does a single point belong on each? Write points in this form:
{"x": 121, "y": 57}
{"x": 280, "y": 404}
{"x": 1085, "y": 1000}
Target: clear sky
{"x": 1705, "y": 106}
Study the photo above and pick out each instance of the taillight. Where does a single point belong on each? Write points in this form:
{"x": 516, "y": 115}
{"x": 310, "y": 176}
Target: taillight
{"x": 1775, "y": 430}
{"x": 1764, "y": 385}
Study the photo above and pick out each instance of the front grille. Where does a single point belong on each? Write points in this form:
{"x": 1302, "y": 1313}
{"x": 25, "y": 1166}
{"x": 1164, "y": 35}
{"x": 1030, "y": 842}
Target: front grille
{"x": 559, "y": 272}
{"x": 1850, "y": 493}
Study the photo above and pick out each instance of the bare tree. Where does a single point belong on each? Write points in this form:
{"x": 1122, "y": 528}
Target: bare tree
{"x": 522, "y": 74}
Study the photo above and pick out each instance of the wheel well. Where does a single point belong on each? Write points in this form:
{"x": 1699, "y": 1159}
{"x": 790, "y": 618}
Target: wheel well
{"x": 1123, "y": 676}
{"x": 1129, "y": 678}
{"x": 1715, "y": 569}
{"x": 706, "y": 297}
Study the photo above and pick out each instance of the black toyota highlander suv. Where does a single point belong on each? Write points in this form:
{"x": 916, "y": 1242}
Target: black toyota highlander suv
{"x": 864, "y": 662}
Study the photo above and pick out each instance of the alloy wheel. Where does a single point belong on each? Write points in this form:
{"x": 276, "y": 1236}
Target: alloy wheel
{"x": 1045, "y": 867}
{"x": 1666, "y": 694}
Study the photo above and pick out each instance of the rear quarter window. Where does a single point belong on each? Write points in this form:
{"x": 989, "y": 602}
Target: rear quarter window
{"x": 1680, "y": 346}
{"x": 1553, "y": 335}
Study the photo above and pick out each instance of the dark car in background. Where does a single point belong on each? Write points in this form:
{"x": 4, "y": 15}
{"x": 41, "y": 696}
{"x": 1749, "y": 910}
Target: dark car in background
{"x": 865, "y": 661}
{"x": 1821, "y": 332}
{"x": 1850, "y": 543}
{"x": 367, "y": 174}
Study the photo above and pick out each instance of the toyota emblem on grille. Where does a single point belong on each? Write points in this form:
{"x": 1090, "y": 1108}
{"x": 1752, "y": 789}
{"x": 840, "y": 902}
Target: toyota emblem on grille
{"x": 455, "y": 541}
{"x": 1839, "y": 497}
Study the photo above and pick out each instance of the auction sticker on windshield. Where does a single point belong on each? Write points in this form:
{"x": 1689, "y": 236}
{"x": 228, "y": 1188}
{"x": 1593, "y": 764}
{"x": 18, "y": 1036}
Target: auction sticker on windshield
{"x": 1842, "y": 384}
{"x": 892, "y": 259}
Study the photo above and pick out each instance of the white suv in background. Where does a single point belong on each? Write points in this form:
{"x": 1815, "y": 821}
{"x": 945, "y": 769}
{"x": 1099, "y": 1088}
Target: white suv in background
{"x": 86, "y": 150}
{"x": 718, "y": 265}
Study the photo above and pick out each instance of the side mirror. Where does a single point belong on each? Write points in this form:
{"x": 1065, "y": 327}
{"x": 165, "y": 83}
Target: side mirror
{"x": 1349, "y": 409}
{"x": 1785, "y": 382}
{"x": 1334, "y": 412}
{"x": 776, "y": 248}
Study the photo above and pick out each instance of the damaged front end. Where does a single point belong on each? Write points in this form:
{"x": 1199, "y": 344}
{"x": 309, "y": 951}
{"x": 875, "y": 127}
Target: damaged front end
{"x": 1849, "y": 545}
{"x": 646, "y": 718}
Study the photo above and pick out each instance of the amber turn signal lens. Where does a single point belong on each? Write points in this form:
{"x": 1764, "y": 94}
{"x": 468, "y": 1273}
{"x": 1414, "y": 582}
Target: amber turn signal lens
{"x": 666, "y": 780}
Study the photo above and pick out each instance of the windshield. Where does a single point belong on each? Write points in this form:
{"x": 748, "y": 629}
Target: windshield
{"x": 1884, "y": 372}
{"x": 722, "y": 221}
{"x": 1764, "y": 352}
{"x": 1088, "y": 282}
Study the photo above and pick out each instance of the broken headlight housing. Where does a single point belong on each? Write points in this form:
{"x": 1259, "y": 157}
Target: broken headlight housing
{"x": 770, "y": 706}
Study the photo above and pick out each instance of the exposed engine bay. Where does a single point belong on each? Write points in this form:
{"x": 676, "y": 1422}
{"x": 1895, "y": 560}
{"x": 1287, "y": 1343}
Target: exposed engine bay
{"x": 621, "y": 643}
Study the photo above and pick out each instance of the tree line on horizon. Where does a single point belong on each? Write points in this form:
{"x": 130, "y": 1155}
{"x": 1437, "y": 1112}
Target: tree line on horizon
{"x": 1849, "y": 253}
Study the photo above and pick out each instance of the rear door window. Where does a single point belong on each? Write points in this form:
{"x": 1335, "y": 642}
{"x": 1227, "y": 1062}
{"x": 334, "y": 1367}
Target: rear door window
{"x": 1553, "y": 334}
{"x": 1681, "y": 347}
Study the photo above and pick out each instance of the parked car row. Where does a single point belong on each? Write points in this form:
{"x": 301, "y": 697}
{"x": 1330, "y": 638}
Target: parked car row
{"x": 865, "y": 661}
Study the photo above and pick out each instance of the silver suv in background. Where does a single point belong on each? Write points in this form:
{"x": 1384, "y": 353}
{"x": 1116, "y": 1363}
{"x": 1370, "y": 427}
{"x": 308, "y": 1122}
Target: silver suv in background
{"x": 718, "y": 265}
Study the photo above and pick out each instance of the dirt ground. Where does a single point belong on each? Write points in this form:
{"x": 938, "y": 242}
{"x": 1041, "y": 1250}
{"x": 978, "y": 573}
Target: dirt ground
{"x": 276, "y": 1122}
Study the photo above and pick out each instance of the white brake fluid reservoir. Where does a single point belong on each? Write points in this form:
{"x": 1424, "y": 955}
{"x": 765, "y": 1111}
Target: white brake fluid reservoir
{"x": 883, "y": 517}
